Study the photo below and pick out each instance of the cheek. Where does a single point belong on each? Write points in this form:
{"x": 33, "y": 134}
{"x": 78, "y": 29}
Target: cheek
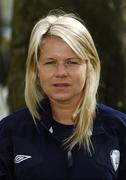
{"x": 82, "y": 80}
{"x": 45, "y": 79}
{"x": 44, "y": 74}
{"x": 41, "y": 77}
{"x": 81, "y": 77}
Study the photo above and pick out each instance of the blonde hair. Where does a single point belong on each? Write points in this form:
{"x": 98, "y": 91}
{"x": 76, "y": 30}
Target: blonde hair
{"x": 71, "y": 29}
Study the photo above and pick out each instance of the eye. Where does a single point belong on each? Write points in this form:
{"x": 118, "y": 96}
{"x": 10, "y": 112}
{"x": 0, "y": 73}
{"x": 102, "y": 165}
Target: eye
{"x": 49, "y": 62}
{"x": 73, "y": 61}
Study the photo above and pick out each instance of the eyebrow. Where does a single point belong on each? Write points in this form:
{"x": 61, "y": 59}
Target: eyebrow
{"x": 46, "y": 58}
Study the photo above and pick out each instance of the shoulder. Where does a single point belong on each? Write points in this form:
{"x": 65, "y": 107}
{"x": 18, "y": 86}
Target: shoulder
{"x": 16, "y": 117}
{"x": 111, "y": 116}
{"x": 13, "y": 122}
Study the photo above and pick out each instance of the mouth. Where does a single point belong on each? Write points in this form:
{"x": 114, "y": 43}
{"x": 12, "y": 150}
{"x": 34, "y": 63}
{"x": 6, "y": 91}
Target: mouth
{"x": 61, "y": 85}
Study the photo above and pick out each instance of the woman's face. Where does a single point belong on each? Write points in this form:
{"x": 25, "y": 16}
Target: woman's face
{"x": 61, "y": 72}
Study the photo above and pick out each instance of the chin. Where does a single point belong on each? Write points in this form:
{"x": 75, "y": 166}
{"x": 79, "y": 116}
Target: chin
{"x": 60, "y": 98}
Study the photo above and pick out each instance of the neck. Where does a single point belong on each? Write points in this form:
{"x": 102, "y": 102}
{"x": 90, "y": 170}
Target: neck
{"x": 63, "y": 111}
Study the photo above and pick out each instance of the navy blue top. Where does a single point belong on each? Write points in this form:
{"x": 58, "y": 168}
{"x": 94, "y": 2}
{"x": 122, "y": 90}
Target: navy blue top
{"x": 62, "y": 131}
{"x": 30, "y": 152}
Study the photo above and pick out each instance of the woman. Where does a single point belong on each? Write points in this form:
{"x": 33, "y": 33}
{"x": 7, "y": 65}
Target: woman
{"x": 62, "y": 133}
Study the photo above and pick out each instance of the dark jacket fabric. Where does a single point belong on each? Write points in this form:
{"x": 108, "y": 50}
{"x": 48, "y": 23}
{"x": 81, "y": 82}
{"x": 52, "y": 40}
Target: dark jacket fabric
{"x": 34, "y": 153}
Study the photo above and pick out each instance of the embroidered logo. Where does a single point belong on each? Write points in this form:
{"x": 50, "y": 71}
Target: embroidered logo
{"x": 115, "y": 158}
{"x": 20, "y": 158}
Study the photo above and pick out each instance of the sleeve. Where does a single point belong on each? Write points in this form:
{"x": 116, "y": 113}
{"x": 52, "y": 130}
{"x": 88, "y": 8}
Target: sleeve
{"x": 122, "y": 144}
{"x": 6, "y": 165}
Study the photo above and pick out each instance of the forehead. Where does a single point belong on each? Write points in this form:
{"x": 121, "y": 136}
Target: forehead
{"x": 47, "y": 40}
{"x": 53, "y": 45}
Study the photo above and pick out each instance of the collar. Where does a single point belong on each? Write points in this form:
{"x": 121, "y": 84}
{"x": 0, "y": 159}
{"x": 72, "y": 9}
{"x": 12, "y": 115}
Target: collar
{"x": 46, "y": 113}
{"x": 46, "y": 118}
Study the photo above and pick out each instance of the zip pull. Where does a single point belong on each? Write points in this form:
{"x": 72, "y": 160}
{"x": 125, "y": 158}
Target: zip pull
{"x": 51, "y": 130}
{"x": 69, "y": 159}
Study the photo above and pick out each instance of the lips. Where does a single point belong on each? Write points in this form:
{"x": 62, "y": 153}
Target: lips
{"x": 61, "y": 84}
{"x": 61, "y": 87}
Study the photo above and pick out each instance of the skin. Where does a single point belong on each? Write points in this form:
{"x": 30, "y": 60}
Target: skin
{"x": 62, "y": 76}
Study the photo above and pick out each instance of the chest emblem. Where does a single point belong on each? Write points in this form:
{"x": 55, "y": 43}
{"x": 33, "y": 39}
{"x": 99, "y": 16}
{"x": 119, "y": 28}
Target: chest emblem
{"x": 115, "y": 158}
{"x": 20, "y": 158}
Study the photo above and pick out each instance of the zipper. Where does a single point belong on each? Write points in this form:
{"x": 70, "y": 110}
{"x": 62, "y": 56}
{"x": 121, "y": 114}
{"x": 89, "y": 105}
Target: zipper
{"x": 69, "y": 159}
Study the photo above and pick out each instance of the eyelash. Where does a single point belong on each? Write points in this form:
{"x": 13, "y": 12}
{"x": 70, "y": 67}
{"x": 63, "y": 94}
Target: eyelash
{"x": 72, "y": 62}
{"x": 51, "y": 62}
{"x": 67, "y": 62}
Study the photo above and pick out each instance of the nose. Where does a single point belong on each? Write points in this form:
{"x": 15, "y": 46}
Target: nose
{"x": 61, "y": 70}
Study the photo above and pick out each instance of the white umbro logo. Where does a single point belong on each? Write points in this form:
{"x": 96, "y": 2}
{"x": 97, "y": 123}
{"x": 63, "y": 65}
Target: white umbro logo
{"x": 20, "y": 158}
